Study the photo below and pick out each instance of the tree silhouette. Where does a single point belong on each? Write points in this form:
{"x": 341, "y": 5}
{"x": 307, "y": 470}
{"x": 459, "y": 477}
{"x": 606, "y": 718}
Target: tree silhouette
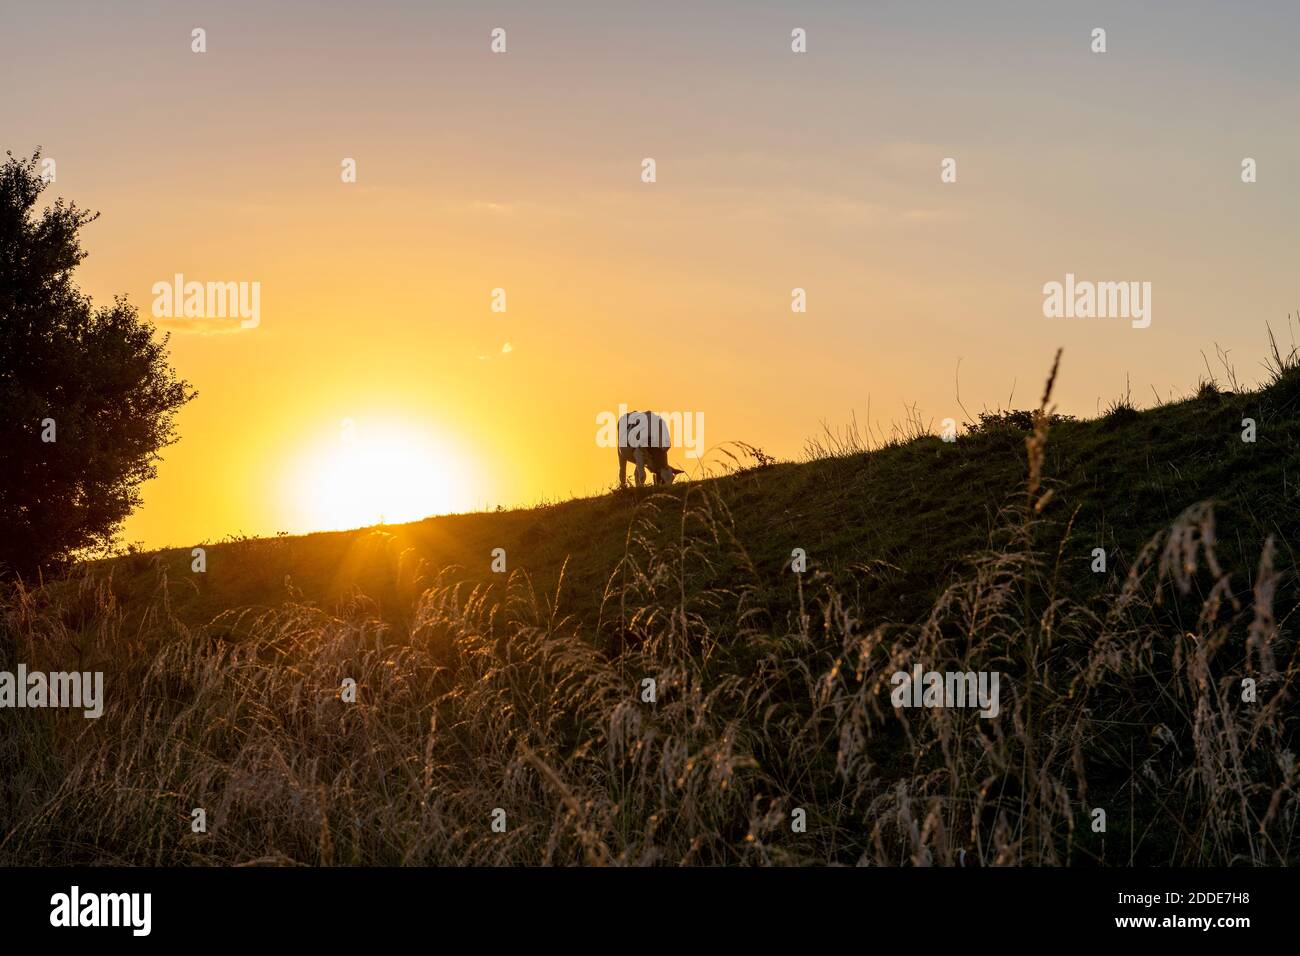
{"x": 87, "y": 398}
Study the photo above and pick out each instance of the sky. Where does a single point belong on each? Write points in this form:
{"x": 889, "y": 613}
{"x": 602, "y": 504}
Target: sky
{"x": 378, "y": 381}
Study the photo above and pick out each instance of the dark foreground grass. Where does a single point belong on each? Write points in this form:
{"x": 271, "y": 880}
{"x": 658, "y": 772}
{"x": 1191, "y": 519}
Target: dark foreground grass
{"x": 523, "y": 697}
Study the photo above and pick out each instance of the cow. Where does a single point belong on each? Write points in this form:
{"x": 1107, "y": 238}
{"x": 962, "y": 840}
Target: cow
{"x": 644, "y": 439}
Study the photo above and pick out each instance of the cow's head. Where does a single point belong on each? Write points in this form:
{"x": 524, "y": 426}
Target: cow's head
{"x": 668, "y": 473}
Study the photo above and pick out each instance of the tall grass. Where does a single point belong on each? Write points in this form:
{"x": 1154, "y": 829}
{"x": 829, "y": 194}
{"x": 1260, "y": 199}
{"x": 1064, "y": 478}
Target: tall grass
{"x": 494, "y": 698}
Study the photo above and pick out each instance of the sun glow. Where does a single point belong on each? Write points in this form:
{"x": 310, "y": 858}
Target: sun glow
{"x": 376, "y": 475}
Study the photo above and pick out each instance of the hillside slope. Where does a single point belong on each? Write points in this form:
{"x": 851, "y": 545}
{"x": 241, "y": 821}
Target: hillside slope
{"x": 910, "y": 513}
{"x": 652, "y": 684}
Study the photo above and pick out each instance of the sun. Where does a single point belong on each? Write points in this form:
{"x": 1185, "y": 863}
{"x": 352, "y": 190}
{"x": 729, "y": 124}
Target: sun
{"x": 376, "y": 474}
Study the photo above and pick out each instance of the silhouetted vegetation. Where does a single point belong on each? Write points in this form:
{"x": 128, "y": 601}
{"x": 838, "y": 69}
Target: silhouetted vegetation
{"x": 1012, "y": 419}
{"x": 87, "y": 399}
{"x": 1123, "y": 690}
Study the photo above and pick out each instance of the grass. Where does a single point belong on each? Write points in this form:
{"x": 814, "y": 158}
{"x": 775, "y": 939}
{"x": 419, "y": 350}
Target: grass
{"x": 525, "y": 692}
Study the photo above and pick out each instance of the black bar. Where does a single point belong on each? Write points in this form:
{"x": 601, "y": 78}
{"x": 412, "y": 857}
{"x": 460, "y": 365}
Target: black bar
{"x": 654, "y": 906}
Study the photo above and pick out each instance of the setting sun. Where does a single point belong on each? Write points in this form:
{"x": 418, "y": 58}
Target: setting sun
{"x": 371, "y": 474}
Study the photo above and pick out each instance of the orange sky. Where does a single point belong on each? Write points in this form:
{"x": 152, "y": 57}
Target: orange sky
{"x": 522, "y": 170}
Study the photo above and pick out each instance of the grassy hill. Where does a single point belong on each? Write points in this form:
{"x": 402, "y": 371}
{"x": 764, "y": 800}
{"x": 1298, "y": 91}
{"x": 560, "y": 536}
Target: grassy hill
{"x": 652, "y": 682}
{"x": 905, "y": 516}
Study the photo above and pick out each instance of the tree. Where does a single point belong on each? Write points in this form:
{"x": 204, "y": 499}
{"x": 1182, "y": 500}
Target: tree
{"x": 87, "y": 398}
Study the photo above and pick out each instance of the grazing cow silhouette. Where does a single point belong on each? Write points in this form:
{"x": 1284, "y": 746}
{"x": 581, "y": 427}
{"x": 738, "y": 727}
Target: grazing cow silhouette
{"x": 644, "y": 439}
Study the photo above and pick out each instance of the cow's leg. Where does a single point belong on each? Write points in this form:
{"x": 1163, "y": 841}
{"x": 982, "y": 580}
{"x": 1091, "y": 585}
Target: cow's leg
{"x": 640, "y": 467}
{"x": 658, "y": 461}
